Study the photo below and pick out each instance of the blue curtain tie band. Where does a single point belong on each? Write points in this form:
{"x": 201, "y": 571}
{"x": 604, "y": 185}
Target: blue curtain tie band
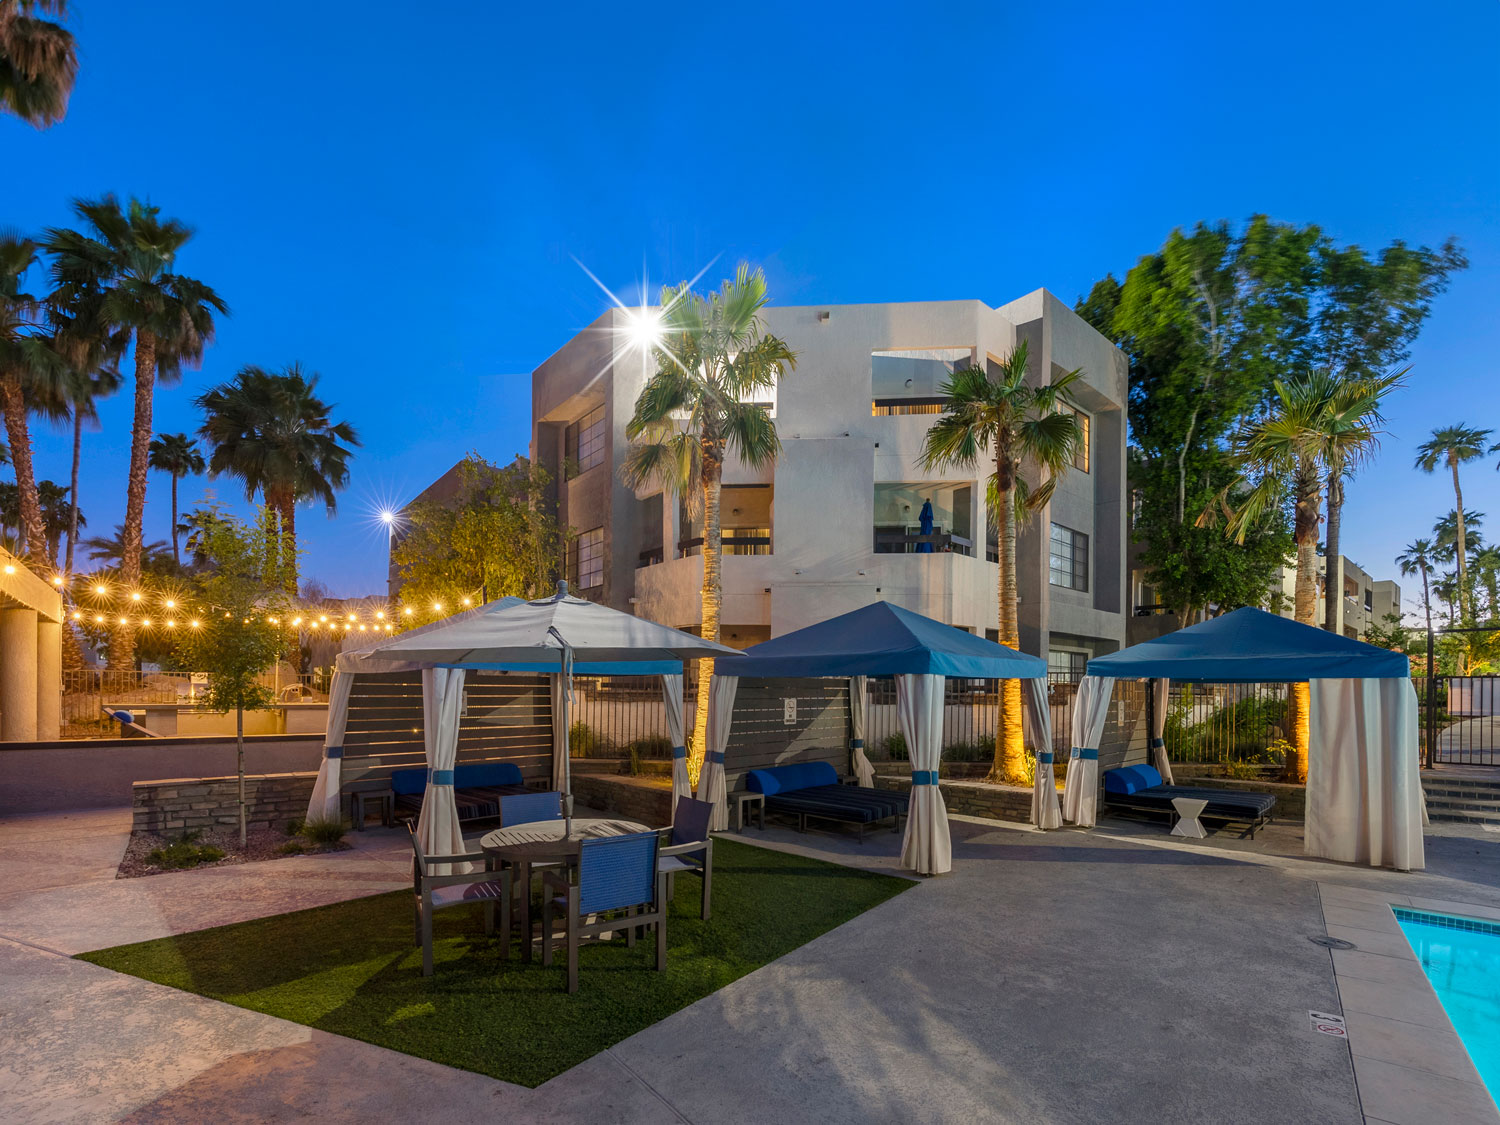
{"x": 333, "y": 751}
{"x": 1087, "y": 754}
{"x": 679, "y": 751}
{"x": 924, "y": 777}
{"x": 716, "y": 756}
{"x": 1157, "y": 743}
{"x": 1044, "y": 758}
{"x": 442, "y": 777}
{"x": 856, "y": 744}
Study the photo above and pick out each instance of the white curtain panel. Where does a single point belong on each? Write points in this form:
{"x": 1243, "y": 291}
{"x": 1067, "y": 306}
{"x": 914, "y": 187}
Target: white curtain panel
{"x": 326, "y": 803}
{"x": 560, "y": 721}
{"x": 1081, "y": 786}
{"x": 711, "y": 777}
{"x": 1046, "y": 811}
{"x": 671, "y": 698}
{"x": 437, "y": 827}
{"x": 1364, "y": 791}
{"x": 857, "y": 699}
{"x": 1159, "y": 694}
{"x": 926, "y": 848}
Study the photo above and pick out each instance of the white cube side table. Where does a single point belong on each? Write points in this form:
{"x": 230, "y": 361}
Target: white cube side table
{"x": 1188, "y": 811}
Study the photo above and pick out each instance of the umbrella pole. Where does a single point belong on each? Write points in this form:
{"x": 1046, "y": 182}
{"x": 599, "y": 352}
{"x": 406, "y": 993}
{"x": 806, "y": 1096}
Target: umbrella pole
{"x": 567, "y": 719}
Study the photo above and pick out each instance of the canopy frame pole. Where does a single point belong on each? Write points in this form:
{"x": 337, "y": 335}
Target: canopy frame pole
{"x": 567, "y": 708}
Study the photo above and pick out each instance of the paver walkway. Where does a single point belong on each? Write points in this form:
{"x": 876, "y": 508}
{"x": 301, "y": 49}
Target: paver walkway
{"x": 1064, "y": 977}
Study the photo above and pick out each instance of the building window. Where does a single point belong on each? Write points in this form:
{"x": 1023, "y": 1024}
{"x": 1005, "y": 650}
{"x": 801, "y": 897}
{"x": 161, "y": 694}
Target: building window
{"x": 583, "y": 442}
{"x": 1066, "y": 664}
{"x": 1369, "y": 601}
{"x": 1068, "y": 561}
{"x": 586, "y": 559}
{"x": 1081, "y": 454}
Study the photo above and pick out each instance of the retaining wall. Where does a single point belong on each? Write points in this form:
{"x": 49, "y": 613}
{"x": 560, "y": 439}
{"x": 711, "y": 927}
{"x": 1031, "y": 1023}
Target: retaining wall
{"x": 178, "y": 804}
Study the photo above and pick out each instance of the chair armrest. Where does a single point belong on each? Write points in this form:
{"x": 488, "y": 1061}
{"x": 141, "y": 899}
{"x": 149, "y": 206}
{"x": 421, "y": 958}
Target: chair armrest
{"x": 553, "y": 878}
{"x": 430, "y": 881}
{"x": 466, "y": 857}
{"x": 684, "y": 849}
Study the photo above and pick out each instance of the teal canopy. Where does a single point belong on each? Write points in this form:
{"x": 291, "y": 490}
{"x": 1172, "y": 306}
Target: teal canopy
{"x": 882, "y": 640}
{"x": 1251, "y": 646}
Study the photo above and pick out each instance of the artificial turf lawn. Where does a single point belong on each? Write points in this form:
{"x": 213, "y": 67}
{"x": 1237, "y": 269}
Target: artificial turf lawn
{"x": 352, "y": 968}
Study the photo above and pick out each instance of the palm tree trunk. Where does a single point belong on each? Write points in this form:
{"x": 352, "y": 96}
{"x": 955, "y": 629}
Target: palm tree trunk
{"x": 713, "y": 598}
{"x": 1304, "y": 610}
{"x": 289, "y": 544}
{"x": 73, "y": 489}
{"x": 176, "y": 558}
{"x": 122, "y": 641}
{"x": 33, "y": 527}
{"x": 1009, "y": 766}
{"x": 1458, "y": 496}
{"x": 1333, "y": 591}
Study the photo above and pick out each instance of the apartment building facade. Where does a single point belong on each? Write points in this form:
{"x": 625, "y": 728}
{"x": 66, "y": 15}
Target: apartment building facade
{"x": 1365, "y": 600}
{"x": 838, "y": 521}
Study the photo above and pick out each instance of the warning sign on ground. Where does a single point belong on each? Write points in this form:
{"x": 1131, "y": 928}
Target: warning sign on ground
{"x": 1328, "y": 1024}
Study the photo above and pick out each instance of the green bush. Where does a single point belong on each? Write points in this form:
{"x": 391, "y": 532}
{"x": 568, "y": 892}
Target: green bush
{"x": 585, "y": 742}
{"x": 324, "y": 830}
{"x": 657, "y": 746}
{"x": 294, "y": 826}
{"x": 894, "y": 746}
{"x": 292, "y": 847}
{"x": 184, "y": 852}
{"x": 969, "y": 752}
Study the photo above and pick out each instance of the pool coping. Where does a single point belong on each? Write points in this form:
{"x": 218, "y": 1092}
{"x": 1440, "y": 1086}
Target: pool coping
{"x": 1410, "y": 1067}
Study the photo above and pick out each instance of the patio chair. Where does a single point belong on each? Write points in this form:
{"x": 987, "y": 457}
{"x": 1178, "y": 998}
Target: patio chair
{"x": 690, "y": 847}
{"x": 616, "y": 874}
{"x": 527, "y": 808}
{"x": 435, "y": 892}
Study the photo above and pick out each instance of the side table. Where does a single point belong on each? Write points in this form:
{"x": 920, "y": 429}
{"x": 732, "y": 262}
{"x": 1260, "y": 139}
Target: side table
{"x": 1188, "y": 824}
{"x": 748, "y": 798}
{"x": 384, "y": 801}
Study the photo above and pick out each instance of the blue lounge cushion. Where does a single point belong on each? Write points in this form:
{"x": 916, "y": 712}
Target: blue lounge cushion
{"x": 1131, "y": 779}
{"x": 486, "y": 775}
{"x": 1149, "y": 775}
{"x": 789, "y": 778}
{"x": 409, "y": 782}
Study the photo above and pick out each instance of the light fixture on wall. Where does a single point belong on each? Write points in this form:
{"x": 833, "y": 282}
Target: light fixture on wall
{"x": 734, "y": 511}
{"x": 908, "y": 382}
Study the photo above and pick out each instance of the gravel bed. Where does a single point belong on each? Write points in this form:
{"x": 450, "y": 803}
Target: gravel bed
{"x": 261, "y": 843}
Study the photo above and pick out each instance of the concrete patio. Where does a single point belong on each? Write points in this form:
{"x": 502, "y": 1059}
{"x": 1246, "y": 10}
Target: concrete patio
{"x": 1075, "y": 976}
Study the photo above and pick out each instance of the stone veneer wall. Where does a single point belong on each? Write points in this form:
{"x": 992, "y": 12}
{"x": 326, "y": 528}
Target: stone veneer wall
{"x": 973, "y": 798}
{"x": 644, "y": 799}
{"x": 179, "y": 804}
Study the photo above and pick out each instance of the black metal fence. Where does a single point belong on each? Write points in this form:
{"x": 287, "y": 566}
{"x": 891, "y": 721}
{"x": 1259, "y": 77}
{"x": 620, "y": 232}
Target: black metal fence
{"x": 1226, "y": 723}
{"x": 1461, "y": 720}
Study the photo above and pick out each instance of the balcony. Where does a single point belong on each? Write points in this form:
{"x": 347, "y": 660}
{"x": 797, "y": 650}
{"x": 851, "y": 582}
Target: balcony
{"x": 888, "y": 407}
{"x": 889, "y": 541}
{"x": 733, "y": 541}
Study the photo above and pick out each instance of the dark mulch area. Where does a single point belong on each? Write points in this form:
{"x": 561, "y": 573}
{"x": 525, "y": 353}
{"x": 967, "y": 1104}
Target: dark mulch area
{"x": 261, "y": 844}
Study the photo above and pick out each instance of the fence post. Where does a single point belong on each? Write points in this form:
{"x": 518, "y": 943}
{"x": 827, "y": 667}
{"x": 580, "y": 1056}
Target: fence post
{"x": 1431, "y": 716}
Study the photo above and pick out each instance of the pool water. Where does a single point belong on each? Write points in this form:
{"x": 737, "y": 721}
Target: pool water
{"x": 1461, "y": 957}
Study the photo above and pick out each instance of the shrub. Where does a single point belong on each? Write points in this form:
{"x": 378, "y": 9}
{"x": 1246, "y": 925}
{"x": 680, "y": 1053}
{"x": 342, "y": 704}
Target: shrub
{"x": 324, "y": 830}
{"x": 657, "y": 746}
{"x": 184, "y": 852}
{"x": 292, "y": 847}
{"x": 895, "y": 747}
{"x": 585, "y": 742}
{"x": 969, "y": 752}
{"x": 294, "y": 826}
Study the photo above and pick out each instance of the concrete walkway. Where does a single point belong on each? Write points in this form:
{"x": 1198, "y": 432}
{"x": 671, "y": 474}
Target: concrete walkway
{"x": 1116, "y": 975}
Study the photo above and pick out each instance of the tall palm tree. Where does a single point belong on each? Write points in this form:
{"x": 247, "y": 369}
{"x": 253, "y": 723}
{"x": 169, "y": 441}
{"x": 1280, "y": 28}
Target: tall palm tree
{"x": 1452, "y": 446}
{"x": 127, "y": 260}
{"x": 1287, "y": 451}
{"x": 272, "y": 431}
{"x": 1418, "y": 558}
{"x": 1015, "y": 423}
{"x": 156, "y": 556}
{"x": 712, "y": 355}
{"x": 1344, "y": 450}
{"x": 38, "y": 61}
{"x": 56, "y": 508}
{"x": 33, "y": 378}
{"x": 1487, "y": 573}
{"x": 178, "y": 455}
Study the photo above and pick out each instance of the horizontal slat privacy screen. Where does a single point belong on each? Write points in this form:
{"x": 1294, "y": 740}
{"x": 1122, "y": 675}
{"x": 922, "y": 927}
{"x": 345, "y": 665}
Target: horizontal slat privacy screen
{"x": 761, "y": 737}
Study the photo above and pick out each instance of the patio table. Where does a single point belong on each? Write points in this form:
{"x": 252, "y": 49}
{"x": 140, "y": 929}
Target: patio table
{"x": 545, "y": 841}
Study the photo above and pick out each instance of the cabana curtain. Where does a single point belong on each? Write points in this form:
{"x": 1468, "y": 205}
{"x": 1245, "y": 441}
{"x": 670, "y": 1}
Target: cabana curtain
{"x": 671, "y": 697}
{"x": 442, "y": 704}
{"x": 327, "y": 799}
{"x": 863, "y": 770}
{"x": 926, "y": 847}
{"x": 1046, "y": 812}
{"x": 1160, "y": 691}
{"x": 1364, "y": 800}
{"x": 711, "y": 779}
{"x": 1081, "y": 788}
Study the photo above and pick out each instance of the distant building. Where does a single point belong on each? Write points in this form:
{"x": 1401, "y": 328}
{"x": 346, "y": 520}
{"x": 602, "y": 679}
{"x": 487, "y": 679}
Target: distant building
{"x": 838, "y": 522}
{"x": 1366, "y": 601}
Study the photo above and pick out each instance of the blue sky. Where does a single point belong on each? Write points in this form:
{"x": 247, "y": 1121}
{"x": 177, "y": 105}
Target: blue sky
{"x": 395, "y": 196}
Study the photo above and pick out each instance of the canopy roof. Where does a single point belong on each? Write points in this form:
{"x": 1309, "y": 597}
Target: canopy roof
{"x": 515, "y": 635}
{"x": 882, "y": 640}
{"x": 1252, "y": 646}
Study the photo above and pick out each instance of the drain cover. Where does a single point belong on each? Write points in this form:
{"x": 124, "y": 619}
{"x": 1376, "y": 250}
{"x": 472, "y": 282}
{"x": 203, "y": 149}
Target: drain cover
{"x": 1331, "y": 942}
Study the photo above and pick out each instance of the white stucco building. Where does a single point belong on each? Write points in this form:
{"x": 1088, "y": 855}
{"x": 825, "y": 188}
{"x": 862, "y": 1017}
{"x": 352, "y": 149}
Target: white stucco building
{"x": 1366, "y": 601}
{"x": 836, "y": 523}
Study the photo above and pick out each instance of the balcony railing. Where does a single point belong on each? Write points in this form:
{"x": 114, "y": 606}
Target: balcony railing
{"x": 730, "y": 544}
{"x": 651, "y": 557}
{"x": 938, "y": 542}
{"x": 883, "y": 407}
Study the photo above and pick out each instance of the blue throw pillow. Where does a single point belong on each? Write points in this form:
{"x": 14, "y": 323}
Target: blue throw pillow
{"x": 408, "y": 783}
{"x": 1149, "y": 777}
{"x": 486, "y": 775}
{"x": 1121, "y": 781}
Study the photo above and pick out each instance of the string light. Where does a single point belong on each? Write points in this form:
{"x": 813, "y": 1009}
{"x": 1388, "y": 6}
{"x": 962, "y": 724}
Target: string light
{"x": 9, "y": 569}
{"x": 57, "y": 580}
{"x": 408, "y": 611}
{"x": 195, "y": 623}
{"x": 135, "y": 596}
{"x": 100, "y": 590}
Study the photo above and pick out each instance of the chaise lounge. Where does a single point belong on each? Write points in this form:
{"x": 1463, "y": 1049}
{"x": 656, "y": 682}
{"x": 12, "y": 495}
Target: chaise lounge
{"x": 477, "y": 789}
{"x": 811, "y": 791}
{"x": 1140, "y": 789}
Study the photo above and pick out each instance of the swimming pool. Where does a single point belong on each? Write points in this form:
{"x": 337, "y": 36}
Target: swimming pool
{"x": 1461, "y": 957}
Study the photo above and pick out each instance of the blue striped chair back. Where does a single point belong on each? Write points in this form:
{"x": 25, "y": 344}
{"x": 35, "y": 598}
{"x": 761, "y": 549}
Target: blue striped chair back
{"x": 690, "y": 821}
{"x": 617, "y": 871}
{"x": 527, "y": 808}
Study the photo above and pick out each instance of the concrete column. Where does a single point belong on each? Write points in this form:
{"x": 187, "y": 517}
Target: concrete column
{"x": 18, "y": 640}
{"x": 48, "y": 679}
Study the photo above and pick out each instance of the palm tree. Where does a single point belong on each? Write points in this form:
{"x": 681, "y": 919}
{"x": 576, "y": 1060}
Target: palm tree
{"x": 178, "y": 455}
{"x": 1452, "y": 446}
{"x": 156, "y": 556}
{"x": 1015, "y": 423}
{"x": 56, "y": 509}
{"x": 1343, "y": 452}
{"x": 272, "y": 431}
{"x": 125, "y": 267}
{"x": 711, "y": 354}
{"x": 1487, "y": 571}
{"x": 38, "y": 61}
{"x": 1288, "y": 450}
{"x": 1418, "y": 558}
